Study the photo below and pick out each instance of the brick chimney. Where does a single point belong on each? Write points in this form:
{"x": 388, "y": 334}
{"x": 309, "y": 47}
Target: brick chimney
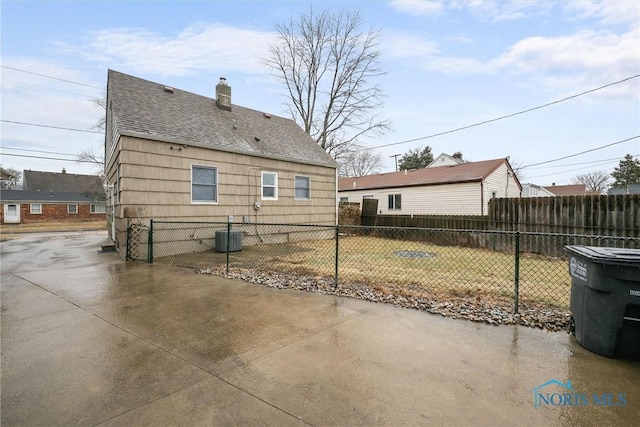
{"x": 223, "y": 95}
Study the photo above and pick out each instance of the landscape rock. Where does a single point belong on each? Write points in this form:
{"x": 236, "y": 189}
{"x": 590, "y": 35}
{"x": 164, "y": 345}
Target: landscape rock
{"x": 478, "y": 308}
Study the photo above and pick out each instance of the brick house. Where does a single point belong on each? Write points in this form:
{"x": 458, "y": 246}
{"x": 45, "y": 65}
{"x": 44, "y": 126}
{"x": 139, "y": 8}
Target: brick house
{"x": 54, "y": 197}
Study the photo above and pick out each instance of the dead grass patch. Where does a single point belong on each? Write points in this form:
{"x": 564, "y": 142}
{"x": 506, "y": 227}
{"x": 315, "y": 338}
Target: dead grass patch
{"x": 457, "y": 271}
{"x": 14, "y": 231}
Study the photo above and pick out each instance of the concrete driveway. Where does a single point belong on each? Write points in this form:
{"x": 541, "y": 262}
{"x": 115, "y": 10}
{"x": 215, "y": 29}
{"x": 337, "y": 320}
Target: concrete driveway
{"x": 90, "y": 340}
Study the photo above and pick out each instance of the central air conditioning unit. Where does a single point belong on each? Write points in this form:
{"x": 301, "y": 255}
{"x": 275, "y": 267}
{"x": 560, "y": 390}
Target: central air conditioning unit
{"x": 234, "y": 240}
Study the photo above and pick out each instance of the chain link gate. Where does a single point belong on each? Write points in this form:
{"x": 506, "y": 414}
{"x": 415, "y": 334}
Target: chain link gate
{"x": 137, "y": 242}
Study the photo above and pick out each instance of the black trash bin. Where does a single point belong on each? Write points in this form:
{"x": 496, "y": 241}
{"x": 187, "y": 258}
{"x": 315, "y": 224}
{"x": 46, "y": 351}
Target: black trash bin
{"x": 605, "y": 299}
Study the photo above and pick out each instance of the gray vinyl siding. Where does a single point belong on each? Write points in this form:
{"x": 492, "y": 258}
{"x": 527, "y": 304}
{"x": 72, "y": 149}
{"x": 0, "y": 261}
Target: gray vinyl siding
{"x": 155, "y": 183}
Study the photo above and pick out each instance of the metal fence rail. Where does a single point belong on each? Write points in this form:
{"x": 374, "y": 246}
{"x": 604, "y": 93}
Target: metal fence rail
{"x": 406, "y": 266}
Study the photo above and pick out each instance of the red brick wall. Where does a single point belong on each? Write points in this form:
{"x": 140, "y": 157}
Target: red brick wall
{"x": 56, "y": 212}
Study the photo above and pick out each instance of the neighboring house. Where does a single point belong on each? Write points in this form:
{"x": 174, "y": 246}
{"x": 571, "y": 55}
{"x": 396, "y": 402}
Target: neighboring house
{"x": 460, "y": 189}
{"x": 570, "y": 190}
{"x": 54, "y": 197}
{"x": 630, "y": 189}
{"x": 174, "y": 155}
{"x": 446, "y": 160}
{"x": 533, "y": 190}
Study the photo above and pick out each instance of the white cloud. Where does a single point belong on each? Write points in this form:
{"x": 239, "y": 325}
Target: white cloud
{"x": 215, "y": 47}
{"x": 606, "y": 12}
{"x": 406, "y": 45}
{"x": 425, "y": 54}
{"x": 501, "y": 11}
{"x": 602, "y": 54}
{"x": 417, "y": 7}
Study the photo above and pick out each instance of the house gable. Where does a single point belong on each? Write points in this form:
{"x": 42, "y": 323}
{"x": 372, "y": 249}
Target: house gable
{"x": 445, "y": 160}
{"x": 176, "y": 156}
{"x": 144, "y": 109}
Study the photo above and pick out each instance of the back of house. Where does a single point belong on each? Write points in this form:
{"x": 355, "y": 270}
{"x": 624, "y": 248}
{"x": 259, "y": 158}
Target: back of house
{"x": 172, "y": 155}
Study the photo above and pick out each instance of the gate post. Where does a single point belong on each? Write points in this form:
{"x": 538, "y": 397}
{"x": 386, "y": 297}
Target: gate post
{"x": 150, "y": 242}
{"x": 228, "y": 243}
{"x": 128, "y": 254}
{"x": 335, "y": 277}
{"x": 516, "y": 278}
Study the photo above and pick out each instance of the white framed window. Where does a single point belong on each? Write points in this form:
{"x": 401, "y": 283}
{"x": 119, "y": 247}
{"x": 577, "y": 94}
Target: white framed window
{"x": 35, "y": 209}
{"x": 344, "y": 199}
{"x": 302, "y": 188}
{"x": 395, "y": 202}
{"x": 204, "y": 184}
{"x": 72, "y": 208}
{"x": 98, "y": 209}
{"x": 269, "y": 186}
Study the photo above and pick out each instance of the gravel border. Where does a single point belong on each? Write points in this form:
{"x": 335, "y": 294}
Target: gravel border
{"x": 488, "y": 310}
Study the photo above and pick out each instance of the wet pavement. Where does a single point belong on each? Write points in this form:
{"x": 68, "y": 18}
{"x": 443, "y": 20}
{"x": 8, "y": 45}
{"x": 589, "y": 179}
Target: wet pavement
{"x": 88, "y": 339}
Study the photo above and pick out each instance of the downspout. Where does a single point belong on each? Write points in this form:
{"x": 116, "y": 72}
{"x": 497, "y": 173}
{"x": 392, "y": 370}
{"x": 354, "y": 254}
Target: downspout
{"x": 253, "y": 204}
{"x": 506, "y": 189}
{"x": 481, "y": 197}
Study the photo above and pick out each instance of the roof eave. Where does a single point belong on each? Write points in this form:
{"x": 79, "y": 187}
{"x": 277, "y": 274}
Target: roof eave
{"x": 424, "y": 184}
{"x": 170, "y": 140}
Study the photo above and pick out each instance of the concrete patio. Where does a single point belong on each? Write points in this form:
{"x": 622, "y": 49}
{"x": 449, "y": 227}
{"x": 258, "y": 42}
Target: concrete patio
{"x": 88, "y": 339}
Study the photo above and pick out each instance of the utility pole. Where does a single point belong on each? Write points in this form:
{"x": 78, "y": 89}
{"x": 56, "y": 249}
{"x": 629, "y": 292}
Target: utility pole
{"x": 395, "y": 156}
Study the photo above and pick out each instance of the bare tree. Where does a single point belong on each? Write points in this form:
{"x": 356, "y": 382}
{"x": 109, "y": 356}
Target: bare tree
{"x": 10, "y": 177}
{"x": 328, "y": 65}
{"x": 89, "y": 156}
{"x": 359, "y": 163}
{"x": 102, "y": 103}
{"x": 594, "y": 181}
{"x": 516, "y": 165}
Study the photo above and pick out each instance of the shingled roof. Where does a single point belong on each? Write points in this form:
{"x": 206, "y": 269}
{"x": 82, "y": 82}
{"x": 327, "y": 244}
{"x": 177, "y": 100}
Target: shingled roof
{"x": 60, "y": 182}
{"x": 144, "y": 109}
{"x": 571, "y": 190}
{"x": 465, "y": 172}
{"x": 46, "y": 196}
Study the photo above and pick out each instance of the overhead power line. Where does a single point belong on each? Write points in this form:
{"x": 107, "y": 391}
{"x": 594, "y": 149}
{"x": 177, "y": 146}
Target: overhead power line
{"x": 568, "y": 171}
{"x": 51, "y": 127}
{"x": 37, "y": 151}
{"x": 584, "y": 163}
{"x": 51, "y": 77}
{"x": 580, "y": 153}
{"x": 46, "y": 158}
{"x": 46, "y": 88}
{"x": 502, "y": 117}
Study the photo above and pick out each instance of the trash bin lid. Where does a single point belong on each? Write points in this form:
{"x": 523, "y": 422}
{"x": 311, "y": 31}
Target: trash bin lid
{"x": 612, "y": 256}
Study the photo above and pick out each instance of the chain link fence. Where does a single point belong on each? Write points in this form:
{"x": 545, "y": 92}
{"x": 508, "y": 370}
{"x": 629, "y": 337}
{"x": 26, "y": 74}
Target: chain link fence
{"x": 478, "y": 275}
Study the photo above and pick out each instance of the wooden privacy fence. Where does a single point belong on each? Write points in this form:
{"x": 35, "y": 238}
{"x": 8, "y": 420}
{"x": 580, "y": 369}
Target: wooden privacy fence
{"x": 545, "y": 219}
{"x": 617, "y": 215}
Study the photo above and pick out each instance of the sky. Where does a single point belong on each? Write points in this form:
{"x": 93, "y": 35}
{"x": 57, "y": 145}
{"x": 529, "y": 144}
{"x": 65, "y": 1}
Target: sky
{"x": 448, "y": 65}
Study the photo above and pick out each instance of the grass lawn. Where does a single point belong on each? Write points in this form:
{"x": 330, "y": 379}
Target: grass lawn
{"x": 14, "y": 231}
{"x": 406, "y": 268}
